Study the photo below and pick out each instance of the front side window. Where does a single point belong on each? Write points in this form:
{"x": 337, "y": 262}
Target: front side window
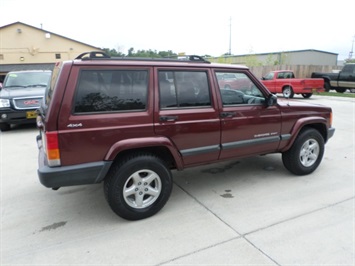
{"x": 269, "y": 76}
{"x": 111, "y": 91}
{"x": 180, "y": 89}
{"x": 238, "y": 88}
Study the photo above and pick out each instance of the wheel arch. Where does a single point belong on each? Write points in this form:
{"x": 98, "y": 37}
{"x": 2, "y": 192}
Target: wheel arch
{"x": 318, "y": 124}
{"x": 159, "y": 146}
{"x": 287, "y": 85}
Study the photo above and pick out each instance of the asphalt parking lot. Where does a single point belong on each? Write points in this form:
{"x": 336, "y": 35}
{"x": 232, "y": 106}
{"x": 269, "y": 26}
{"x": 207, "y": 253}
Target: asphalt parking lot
{"x": 243, "y": 212}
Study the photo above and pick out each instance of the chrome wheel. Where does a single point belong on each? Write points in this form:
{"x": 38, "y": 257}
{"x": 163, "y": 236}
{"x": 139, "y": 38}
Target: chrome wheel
{"x": 309, "y": 153}
{"x": 287, "y": 92}
{"x": 142, "y": 189}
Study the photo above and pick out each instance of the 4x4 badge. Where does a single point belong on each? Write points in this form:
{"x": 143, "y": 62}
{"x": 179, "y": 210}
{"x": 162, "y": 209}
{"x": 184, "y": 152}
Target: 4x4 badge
{"x": 75, "y": 125}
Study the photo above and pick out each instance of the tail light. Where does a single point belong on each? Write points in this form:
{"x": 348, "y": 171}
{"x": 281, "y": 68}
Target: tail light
{"x": 52, "y": 149}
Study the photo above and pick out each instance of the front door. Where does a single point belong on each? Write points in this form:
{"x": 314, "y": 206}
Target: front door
{"x": 248, "y": 125}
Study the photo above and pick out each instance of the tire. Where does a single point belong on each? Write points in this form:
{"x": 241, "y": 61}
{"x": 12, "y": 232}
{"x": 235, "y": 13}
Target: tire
{"x": 340, "y": 90}
{"x": 305, "y": 154}
{"x": 327, "y": 86}
{"x": 307, "y": 95}
{"x": 288, "y": 92}
{"x": 138, "y": 187}
{"x": 5, "y": 127}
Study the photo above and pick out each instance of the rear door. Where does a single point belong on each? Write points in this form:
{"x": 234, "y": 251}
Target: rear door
{"x": 186, "y": 112}
{"x": 248, "y": 125}
{"x": 102, "y": 106}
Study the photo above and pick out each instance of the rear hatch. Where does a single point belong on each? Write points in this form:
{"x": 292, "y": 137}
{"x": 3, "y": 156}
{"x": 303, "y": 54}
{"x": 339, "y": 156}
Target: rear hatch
{"x": 47, "y": 140}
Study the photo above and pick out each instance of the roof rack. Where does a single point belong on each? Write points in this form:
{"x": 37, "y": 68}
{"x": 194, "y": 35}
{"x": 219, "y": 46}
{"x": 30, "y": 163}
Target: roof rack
{"x": 98, "y": 55}
{"x": 92, "y": 55}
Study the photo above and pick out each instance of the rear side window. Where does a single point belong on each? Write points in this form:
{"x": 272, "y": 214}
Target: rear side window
{"x": 180, "y": 89}
{"x": 111, "y": 91}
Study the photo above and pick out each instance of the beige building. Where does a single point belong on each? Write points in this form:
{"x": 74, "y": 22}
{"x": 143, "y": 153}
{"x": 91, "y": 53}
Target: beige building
{"x": 298, "y": 57}
{"x": 24, "y": 47}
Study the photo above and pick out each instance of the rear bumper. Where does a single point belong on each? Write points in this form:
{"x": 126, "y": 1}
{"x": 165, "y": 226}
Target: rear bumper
{"x": 63, "y": 176}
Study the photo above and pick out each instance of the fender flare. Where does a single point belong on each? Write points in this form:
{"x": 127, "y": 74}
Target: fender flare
{"x": 136, "y": 143}
{"x": 303, "y": 122}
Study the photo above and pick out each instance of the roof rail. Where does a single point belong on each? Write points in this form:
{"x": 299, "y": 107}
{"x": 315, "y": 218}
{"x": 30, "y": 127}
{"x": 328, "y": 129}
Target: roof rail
{"x": 92, "y": 55}
{"x": 195, "y": 58}
{"x": 101, "y": 55}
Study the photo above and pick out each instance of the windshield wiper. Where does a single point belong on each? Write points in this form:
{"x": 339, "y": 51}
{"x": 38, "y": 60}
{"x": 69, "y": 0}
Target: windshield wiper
{"x": 36, "y": 85}
{"x": 14, "y": 86}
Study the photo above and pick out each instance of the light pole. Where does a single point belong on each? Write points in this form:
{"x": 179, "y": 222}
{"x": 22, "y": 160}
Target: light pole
{"x": 230, "y": 36}
{"x": 352, "y": 48}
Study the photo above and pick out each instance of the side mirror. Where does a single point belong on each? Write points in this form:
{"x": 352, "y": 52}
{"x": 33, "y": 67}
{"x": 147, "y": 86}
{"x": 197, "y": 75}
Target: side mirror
{"x": 271, "y": 100}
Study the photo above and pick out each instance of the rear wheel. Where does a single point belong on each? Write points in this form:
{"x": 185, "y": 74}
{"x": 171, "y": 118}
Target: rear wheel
{"x": 327, "y": 86}
{"x": 288, "y": 92}
{"x": 138, "y": 187}
{"x": 305, "y": 154}
{"x": 306, "y": 95}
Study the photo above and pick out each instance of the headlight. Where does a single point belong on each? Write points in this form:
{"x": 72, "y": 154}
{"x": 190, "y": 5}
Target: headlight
{"x": 4, "y": 103}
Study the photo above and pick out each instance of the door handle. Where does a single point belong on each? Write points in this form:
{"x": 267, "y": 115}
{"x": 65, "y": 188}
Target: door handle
{"x": 168, "y": 118}
{"x": 227, "y": 114}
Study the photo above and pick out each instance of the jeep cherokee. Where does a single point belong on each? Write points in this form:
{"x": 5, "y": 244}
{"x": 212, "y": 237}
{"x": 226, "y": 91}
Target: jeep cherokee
{"x": 128, "y": 122}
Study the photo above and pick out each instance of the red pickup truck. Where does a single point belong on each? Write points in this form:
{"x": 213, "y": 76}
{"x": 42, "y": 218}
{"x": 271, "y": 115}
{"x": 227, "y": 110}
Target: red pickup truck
{"x": 284, "y": 81}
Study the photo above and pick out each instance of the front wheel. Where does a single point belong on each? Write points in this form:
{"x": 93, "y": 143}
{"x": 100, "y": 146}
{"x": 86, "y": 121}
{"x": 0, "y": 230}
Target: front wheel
{"x": 288, "y": 92}
{"x": 305, "y": 154}
{"x": 138, "y": 186}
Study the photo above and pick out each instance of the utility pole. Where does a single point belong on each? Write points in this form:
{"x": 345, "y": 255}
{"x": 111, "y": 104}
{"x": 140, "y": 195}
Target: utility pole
{"x": 230, "y": 36}
{"x": 352, "y": 48}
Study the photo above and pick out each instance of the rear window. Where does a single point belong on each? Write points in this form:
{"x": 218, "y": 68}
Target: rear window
{"x": 111, "y": 91}
{"x": 50, "y": 88}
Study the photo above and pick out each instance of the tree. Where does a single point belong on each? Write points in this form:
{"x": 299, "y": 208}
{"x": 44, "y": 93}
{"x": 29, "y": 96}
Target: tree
{"x": 141, "y": 53}
{"x": 130, "y": 51}
{"x": 349, "y": 60}
{"x": 113, "y": 52}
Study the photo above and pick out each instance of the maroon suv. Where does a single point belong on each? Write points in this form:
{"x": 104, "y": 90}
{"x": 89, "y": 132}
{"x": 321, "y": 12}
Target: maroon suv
{"x": 129, "y": 122}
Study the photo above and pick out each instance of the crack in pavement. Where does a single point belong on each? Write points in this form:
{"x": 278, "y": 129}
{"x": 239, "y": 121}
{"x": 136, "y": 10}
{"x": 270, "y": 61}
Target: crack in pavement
{"x": 244, "y": 236}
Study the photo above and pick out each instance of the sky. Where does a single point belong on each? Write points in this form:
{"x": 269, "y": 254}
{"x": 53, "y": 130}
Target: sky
{"x": 194, "y": 27}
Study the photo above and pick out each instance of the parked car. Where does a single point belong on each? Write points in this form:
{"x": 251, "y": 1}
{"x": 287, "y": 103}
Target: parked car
{"x": 341, "y": 81}
{"x": 284, "y": 81}
{"x": 21, "y": 95}
{"x": 129, "y": 122}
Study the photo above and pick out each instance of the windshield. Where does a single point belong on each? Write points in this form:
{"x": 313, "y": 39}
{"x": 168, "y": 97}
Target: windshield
{"x": 27, "y": 79}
